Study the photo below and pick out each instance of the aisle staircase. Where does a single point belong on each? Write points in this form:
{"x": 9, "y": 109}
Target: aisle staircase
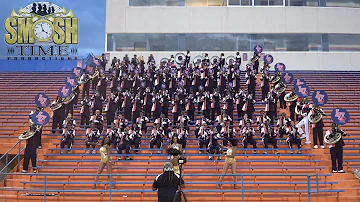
{"x": 69, "y": 175}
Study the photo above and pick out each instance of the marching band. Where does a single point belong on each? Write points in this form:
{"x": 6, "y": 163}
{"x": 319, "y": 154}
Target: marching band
{"x": 140, "y": 95}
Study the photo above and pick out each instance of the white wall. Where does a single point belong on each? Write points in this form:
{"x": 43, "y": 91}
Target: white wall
{"x": 334, "y": 61}
{"x": 124, "y": 19}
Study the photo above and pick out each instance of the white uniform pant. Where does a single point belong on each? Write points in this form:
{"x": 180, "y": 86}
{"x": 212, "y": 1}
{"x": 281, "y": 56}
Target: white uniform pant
{"x": 304, "y": 122}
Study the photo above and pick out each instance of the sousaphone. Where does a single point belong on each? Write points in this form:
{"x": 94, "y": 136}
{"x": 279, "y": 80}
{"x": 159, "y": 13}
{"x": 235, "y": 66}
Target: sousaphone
{"x": 290, "y": 97}
{"x": 275, "y": 78}
{"x": 179, "y": 58}
{"x": 28, "y": 134}
{"x": 230, "y": 60}
{"x": 164, "y": 61}
{"x": 69, "y": 98}
{"x": 330, "y": 138}
{"x": 315, "y": 115}
{"x": 56, "y": 106}
{"x": 280, "y": 88}
{"x": 198, "y": 59}
{"x": 214, "y": 59}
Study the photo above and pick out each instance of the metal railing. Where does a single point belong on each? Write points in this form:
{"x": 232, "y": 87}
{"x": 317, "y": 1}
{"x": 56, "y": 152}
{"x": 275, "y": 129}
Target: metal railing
{"x": 111, "y": 182}
{"x": 8, "y": 163}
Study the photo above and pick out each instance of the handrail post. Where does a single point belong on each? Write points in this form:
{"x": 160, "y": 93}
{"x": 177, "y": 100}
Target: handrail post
{"x": 6, "y": 165}
{"x": 110, "y": 197}
{"x": 308, "y": 187}
{"x": 317, "y": 183}
{"x": 44, "y": 188}
{"x": 242, "y": 188}
{"x": 18, "y": 165}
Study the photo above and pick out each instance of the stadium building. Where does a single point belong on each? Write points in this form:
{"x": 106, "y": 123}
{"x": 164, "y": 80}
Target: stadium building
{"x": 303, "y": 34}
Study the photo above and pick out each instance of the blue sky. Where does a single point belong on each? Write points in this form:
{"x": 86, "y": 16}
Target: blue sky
{"x": 91, "y": 14}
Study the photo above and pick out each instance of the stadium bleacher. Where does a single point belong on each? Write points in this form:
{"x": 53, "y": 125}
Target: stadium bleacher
{"x": 270, "y": 177}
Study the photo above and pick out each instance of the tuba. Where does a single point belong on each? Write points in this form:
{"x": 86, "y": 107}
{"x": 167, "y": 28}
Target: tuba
{"x": 256, "y": 58}
{"x": 330, "y": 138}
{"x": 96, "y": 73}
{"x": 315, "y": 115}
{"x": 290, "y": 97}
{"x": 265, "y": 67}
{"x": 164, "y": 61}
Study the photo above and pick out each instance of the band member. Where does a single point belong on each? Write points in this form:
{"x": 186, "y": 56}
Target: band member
{"x": 244, "y": 120}
{"x": 68, "y": 138}
{"x": 110, "y": 108}
{"x": 229, "y": 160}
{"x": 136, "y": 107}
{"x": 58, "y": 116}
{"x": 293, "y": 137}
{"x": 265, "y": 87}
{"x": 141, "y": 122}
{"x": 176, "y": 108}
{"x": 31, "y": 147}
{"x": 240, "y": 97}
{"x": 306, "y": 107}
{"x": 105, "y": 159}
{"x": 281, "y": 124}
{"x": 156, "y": 139}
{"x": 92, "y": 137}
{"x": 238, "y": 58}
{"x": 204, "y": 137}
{"x": 318, "y": 131}
{"x": 227, "y": 132}
{"x": 336, "y": 150}
{"x": 135, "y": 137}
{"x": 187, "y": 59}
{"x": 262, "y": 119}
{"x": 249, "y": 106}
{"x": 121, "y": 123}
{"x": 76, "y": 90}
{"x": 85, "y": 111}
{"x": 98, "y": 120}
{"x": 215, "y": 104}
{"x": 94, "y": 83}
{"x": 164, "y": 124}
{"x": 270, "y": 106}
{"x": 190, "y": 107}
{"x": 214, "y": 146}
{"x": 127, "y": 105}
{"x": 229, "y": 105}
{"x": 113, "y": 134}
{"x": 148, "y": 97}
{"x": 184, "y": 120}
{"x": 182, "y": 136}
{"x": 250, "y": 82}
{"x": 86, "y": 85}
{"x": 292, "y": 105}
{"x": 268, "y": 136}
{"x": 248, "y": 134}
{"x": 69, "y": 107}
{"x": 281, "y": 96}
{"x": 222, "y": 119}
{"x": 96, "y": 103}
{"x": 222, "y": 60}
{"x": 69, "y": 119}
{"x": 156, "y": 106}
{"x": 124, "y": 144}
{"x": 256, "y": 63}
